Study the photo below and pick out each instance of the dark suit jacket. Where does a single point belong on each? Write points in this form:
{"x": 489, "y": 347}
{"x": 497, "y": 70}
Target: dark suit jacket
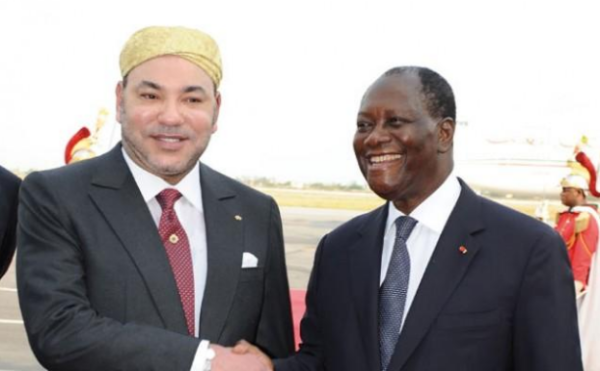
{"x": 9, "y": 191}
{"x": 507, "y": 304}
{"x": 96, "y": 288}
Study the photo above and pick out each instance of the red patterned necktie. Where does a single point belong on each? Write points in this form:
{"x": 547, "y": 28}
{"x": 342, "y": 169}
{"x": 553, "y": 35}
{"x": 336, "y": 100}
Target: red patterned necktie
{"x": 177, "y": 245}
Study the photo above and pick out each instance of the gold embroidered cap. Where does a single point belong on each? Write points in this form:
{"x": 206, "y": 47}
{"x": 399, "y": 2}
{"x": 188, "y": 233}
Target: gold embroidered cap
{"x": 192, "y": 45}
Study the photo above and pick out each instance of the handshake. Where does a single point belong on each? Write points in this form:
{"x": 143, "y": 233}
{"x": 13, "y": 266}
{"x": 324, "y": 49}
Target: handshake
{"x": 242, "y": 357}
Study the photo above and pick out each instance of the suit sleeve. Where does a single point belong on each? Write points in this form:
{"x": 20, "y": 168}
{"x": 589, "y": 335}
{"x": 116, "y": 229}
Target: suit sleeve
{"x": 275, "y": 333}
{"x": 545, "y": 330}
{"x": 8, "y": 215}
{"x": 64, "y": 330}
{"x": 311, "y": 353}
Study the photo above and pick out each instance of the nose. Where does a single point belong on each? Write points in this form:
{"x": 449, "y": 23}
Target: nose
{"x": 377, "y": 136}
{"x": 170, "y": 114}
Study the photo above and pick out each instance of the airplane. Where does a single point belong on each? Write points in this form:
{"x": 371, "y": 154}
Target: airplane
{"x": 523, "y": 165}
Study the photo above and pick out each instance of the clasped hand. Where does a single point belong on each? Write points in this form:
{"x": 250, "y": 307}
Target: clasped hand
{"x": 242, "y": 357}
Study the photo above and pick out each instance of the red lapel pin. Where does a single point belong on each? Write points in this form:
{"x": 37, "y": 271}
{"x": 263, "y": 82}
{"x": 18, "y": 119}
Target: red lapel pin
{"x": 463, "y": 250}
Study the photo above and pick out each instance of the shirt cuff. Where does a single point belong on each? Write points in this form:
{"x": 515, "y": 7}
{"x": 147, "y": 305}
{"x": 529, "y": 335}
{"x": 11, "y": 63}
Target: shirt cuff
{"x": 200, "y": 357}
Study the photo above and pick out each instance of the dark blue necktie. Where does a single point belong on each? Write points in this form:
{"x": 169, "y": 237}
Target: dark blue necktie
{"x": 392, "y": 293}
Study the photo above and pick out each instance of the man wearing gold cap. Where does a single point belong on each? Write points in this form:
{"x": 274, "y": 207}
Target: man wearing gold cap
{"x": 578, "y": 226}
{"x": 139, "y": 259}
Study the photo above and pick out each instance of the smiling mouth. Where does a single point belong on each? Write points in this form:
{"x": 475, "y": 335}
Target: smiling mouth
{"x": 382, "y": 159}
{"x": 166, "y": 139}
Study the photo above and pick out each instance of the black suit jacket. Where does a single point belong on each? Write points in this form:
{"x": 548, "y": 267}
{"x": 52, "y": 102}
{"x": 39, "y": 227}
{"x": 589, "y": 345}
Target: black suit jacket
{"x": 96, "y": 288}
{"x": 9, "y": 190}
{"x": 507, "y": 304}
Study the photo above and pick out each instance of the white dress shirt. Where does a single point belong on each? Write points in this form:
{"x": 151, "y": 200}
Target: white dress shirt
{"x": 431, "y": 215}
{"x": 190, "y": 213}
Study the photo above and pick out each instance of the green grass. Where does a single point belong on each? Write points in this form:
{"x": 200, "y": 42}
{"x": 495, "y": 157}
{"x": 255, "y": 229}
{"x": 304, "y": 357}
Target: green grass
{"x": 365, "y": 201}
{"x": 324, "y": 199}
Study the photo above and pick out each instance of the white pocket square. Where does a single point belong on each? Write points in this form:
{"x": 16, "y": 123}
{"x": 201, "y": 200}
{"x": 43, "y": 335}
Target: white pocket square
{"x": 249, "y": 260}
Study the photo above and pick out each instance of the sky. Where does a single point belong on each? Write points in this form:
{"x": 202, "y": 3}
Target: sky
{"x": 295, "y": 71}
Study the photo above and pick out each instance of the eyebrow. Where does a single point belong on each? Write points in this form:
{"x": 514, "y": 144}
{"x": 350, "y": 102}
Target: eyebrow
{"x": 194, "y": 88}
{"x": 149, "y": 84}
{"x": 187, "y": 89}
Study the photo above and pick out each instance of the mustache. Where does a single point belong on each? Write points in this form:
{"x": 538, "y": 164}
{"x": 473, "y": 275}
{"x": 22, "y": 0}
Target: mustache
{"x": 169, "y": 130}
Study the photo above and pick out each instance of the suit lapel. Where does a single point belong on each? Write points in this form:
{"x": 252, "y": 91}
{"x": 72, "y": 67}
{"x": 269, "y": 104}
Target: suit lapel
{"x": 224, "y": 251}
{"x": 118, "y": 198}
{"x": 444, "y": 272}
{"x": 365, "y": 263}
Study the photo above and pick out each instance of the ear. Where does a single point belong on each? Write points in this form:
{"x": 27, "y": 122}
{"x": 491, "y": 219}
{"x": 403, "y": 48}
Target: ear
{"x": 445, "y": 130}
{"x": 216, "y": 112}
{"x": 119, "y": 94}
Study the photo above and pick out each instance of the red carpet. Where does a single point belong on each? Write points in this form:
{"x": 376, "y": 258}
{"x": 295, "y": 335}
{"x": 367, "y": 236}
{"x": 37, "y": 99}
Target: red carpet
{"x": 297, "y": 297}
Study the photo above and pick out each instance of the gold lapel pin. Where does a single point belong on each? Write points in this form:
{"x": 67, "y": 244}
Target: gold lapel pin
{"x": 463, "y": 250}
{"x": 238, "y": 218}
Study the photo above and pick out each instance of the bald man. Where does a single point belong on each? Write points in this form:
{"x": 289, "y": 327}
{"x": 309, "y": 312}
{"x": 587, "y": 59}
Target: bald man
{"x": 438, "y": 278}
{"x": 141, "y": 258}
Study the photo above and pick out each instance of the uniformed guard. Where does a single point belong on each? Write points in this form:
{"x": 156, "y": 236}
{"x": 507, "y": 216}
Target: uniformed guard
{"x": 578, "y": 226}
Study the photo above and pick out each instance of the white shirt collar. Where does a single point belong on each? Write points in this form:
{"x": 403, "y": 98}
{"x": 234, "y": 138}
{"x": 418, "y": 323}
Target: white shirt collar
{"x": 150, "y": 185}
{"x": 434, "y": 212}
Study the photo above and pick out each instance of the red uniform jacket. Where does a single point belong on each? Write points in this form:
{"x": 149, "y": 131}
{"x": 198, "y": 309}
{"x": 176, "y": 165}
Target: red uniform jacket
{"x": 579, "y": 230}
